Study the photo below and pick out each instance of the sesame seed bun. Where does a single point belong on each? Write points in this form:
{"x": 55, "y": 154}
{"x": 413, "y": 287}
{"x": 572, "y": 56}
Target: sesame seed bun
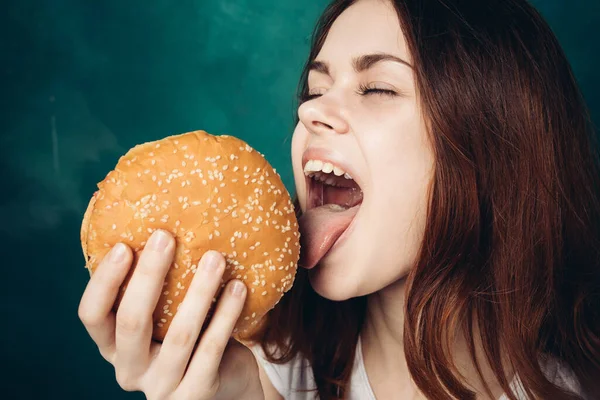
{"x": 211, "y": 193}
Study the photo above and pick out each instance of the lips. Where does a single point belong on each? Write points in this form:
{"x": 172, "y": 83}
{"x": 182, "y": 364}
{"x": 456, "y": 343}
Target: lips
{"x": 332, "y": 203}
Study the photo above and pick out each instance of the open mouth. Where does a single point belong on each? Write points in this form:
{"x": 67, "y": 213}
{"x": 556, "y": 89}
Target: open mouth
{"x": 333, "y": 200}
{"x": 329, "y": 189}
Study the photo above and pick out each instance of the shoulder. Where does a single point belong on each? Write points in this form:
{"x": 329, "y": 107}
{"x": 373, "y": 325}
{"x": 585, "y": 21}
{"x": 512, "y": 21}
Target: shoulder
{"x": 560, "y": 374}
{"x": 290, "y": 378}
{"x": 557, "y": 372}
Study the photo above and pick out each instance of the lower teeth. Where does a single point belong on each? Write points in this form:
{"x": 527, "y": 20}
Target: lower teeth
{"x": 336, "y": 207}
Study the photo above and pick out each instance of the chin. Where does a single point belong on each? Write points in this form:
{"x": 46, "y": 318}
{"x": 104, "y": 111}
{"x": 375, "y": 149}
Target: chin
{"x": 331, "y": 286}
{"x": 345, "y": 273}
{"x": 339, "y": 275}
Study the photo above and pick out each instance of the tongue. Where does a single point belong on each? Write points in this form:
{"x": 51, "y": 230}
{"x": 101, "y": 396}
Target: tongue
{"x": 320, "y": 227}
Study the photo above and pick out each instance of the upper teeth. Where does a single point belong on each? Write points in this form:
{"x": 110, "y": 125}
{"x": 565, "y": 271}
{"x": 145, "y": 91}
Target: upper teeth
{"x": 313, "y": 166}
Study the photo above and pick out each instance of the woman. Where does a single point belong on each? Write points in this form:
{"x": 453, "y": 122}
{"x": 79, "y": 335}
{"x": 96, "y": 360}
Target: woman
{"x": 465, "y": 264}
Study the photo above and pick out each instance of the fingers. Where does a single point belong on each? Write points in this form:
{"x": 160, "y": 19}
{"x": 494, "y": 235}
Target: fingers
{"x": 134, "y": 316}
{"x": 95, "y": 308}
{"x": 184, "y": 330}
{"x": 203, "y": 370}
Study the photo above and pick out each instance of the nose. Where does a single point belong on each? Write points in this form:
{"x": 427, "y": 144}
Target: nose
{"x": 322, "y": 116}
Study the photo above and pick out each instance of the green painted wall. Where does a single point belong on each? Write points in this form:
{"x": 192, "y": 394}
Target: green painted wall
{"x": 82, "y": 81}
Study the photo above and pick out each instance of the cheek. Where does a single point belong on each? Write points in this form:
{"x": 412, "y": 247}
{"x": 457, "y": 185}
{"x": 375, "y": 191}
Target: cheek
{"x": 399, "y": 151}
{"x": 402, "y": 166}
{"x": 402, "y": 174}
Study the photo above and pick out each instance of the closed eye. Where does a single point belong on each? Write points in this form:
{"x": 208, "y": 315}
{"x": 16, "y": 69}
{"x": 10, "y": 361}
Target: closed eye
{"x": 385, "y": 92}
{"x": 362, "y": 90}
{"x": 366, "y": 90}
{"x": 311, "y": 97}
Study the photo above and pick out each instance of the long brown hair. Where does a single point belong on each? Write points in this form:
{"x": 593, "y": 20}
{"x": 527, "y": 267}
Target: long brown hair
{"x": 511, "y": 248}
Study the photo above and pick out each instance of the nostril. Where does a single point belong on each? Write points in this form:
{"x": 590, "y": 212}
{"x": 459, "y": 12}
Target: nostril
{"x": 319, "y": 124}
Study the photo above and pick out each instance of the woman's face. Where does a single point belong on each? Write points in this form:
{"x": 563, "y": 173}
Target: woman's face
{"x": 379, "y": 139}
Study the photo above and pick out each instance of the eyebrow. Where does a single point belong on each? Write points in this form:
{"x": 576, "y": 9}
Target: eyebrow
{"x": 359, "y": 64}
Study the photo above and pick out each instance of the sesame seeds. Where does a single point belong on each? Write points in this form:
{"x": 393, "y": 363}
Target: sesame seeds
{"x": 199, "y": 200}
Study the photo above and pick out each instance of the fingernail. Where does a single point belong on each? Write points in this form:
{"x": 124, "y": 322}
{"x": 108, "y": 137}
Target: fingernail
{"x": 117, "y": 254}
{"x": 237, "y": 288}
{"x": 210, "y": 261}
{"x": 158, "y": 241}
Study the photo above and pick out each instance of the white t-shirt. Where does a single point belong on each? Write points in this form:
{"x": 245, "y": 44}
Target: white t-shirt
{"x": 297, "y": 375}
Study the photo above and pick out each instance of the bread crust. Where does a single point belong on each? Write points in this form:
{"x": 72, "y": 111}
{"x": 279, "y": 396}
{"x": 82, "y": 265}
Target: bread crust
{"x": 85, "y": 229}
{"x": 211, "y": 193}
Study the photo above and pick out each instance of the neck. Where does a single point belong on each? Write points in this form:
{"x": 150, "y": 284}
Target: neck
{"x": 383, "y": 344}
{"x": 384, "y": 353}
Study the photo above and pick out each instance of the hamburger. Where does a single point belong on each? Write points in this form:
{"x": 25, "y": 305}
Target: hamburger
{"x": 211, "y": 193}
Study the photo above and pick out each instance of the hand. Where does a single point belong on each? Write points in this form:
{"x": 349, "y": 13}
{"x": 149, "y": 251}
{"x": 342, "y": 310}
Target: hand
{"x": 216, "y": 368}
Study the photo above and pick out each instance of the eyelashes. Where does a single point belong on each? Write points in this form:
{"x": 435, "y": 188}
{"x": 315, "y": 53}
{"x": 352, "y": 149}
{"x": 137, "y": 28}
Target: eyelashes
{"x": 309, "y": 97}
{"x": 363, "y": 90}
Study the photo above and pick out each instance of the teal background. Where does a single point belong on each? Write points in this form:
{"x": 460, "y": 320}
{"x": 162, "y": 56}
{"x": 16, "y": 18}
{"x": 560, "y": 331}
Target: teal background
{"x": 82, "y": 82}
